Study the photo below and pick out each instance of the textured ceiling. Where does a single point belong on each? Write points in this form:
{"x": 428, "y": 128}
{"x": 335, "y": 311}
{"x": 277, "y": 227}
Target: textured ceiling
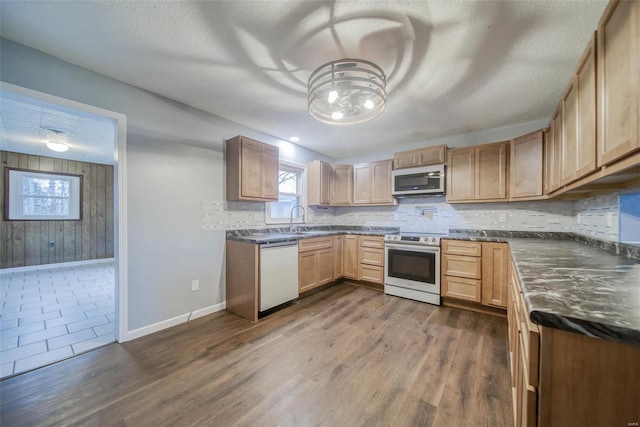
{"x": 453, "y": 66}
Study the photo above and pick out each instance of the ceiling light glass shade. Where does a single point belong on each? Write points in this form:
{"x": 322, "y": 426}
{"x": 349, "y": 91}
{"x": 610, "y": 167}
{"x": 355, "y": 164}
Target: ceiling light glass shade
{"x": 56, "y": 139}
{"x": 347, "y": 91}
{"x": 57, "y": 146}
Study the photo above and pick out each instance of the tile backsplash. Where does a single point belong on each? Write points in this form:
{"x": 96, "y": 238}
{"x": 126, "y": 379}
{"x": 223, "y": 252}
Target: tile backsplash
{"x": 428, "y": 214}
{"x": 599, "y": 217}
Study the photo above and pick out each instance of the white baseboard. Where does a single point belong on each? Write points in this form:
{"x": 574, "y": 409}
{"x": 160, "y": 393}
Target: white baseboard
{"x": 56, "y": 265}
{"x": 168, "y": 323}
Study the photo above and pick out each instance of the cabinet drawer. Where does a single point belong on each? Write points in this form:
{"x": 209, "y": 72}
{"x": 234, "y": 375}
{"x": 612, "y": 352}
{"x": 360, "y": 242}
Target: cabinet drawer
{"x": 372, "y": 273}
{"x": 461, "y": 288}
{"x": 372, "y": 256}
{"x": 461, "y": 247}
{"x": 372, "y": 242}
{"x": 315, "y": 243}
{"x": 462, "y": 266}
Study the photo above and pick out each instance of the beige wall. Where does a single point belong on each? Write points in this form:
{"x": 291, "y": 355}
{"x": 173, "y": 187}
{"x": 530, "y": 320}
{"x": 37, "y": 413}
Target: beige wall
{"x": 29, "y": 242}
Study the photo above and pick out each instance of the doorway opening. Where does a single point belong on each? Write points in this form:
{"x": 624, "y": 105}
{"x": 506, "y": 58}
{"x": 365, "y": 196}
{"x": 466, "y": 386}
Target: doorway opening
{"x": 62, "y": 277}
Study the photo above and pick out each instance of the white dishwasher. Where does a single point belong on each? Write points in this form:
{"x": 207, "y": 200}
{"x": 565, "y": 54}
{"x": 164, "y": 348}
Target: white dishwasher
{"x": 278, "y": 273}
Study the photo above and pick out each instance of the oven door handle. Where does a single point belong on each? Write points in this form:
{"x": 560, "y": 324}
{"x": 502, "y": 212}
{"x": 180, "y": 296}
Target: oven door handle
{"x": 414, "y": 248}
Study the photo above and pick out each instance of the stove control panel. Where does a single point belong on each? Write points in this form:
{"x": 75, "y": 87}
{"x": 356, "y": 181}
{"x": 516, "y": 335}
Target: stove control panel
{"x": 413, "y": 239}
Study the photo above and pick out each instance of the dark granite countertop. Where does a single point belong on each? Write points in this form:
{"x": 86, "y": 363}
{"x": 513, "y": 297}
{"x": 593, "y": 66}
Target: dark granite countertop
{"x": 571, "y": 286}
{"x": 271, "y": 235}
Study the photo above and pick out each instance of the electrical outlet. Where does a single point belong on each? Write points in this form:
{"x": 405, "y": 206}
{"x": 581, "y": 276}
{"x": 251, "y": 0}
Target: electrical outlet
{"x": 195, "y": 285}
{"x": 502, "y": 217}
{"x": 609, "y": 219}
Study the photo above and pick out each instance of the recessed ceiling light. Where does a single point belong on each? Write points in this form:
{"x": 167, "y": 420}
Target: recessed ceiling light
{"x": 294, "y": 139}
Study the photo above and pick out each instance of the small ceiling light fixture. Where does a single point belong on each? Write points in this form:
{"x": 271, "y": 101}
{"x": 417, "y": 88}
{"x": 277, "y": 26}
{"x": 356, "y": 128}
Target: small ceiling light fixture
{"x": 294, "y": 139}
{"x": 56, "y": 139}
{"x": 347, "y": 91}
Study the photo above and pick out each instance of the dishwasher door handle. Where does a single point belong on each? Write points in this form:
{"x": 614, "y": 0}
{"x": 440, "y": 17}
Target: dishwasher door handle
{"x": 278, "y": 244}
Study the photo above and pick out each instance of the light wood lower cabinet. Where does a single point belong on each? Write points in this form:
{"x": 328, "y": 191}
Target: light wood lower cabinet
{"x": 350, "y": 257}
{"x": 371, "y": 259}
{"x": 562, "y": 378}
{"x": 495, "y": 274}
{"x": 315, "y": 262}
{"x": 475, "y": 271}
{"x": 338, "y": 256}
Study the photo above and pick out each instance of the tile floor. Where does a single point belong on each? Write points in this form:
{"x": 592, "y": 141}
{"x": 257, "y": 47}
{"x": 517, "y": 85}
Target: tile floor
{"x": 50, "y": 314}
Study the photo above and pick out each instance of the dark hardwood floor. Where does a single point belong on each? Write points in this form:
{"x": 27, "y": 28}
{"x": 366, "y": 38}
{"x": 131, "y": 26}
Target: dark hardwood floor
{"x": 347, "y": 356}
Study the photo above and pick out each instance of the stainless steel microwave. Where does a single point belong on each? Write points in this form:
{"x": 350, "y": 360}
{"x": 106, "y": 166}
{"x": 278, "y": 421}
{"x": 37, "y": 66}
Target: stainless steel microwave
{"x": 417, "y": 181}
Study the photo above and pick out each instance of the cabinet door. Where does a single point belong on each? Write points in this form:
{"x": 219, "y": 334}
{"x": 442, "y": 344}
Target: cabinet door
{"x": 342, "y": 185}
{"x": 318, "y": 183}
{"x": 495, "y": 274}
{"x": 362, "y": 175}
{"x": 570, "y": 135}
{"x": 461, "y": 174}
{"x": 324, "y": 267}
{"x": 307, "y": 270}
{"x": 406, "y": 159}
{"x": 351, "y": 257}
{"x": 586, "y": 94}
{"x": 548, "y": 158}
{"x": 491, "y": 172}
{"x": 432, "y": 155}
{"x": 556, "y": 165}
{"x": 526, "y": 166}
{"x": 381, "y": 182}
{"x": 251, "y": 168}
{"x": 269, "y": 172}
{"x": 338, "y": 256}
{"x": 618, "y": 81}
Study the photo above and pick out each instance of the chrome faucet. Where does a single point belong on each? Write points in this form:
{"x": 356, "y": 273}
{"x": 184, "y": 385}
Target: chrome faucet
{"x": 291, "y": 216}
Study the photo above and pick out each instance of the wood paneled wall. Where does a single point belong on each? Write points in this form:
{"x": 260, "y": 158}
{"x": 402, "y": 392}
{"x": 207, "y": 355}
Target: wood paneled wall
{"x": 26, "y": 243}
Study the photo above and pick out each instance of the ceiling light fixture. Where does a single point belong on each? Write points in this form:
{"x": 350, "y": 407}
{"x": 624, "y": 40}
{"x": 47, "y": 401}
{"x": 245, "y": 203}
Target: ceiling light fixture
{"x": 56, "y": 139}
{"x": 294, "y": 139}
{"x": 347, "y": 91}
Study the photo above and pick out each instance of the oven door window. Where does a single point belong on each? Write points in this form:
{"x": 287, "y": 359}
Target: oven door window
{"x": 412, "y": 265}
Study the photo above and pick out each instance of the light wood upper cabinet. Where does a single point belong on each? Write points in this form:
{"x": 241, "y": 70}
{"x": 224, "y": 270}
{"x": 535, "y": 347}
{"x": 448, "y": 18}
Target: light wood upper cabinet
{"x": 477, "y": 173}
{"x": 554, "y": 163}
{"x": 319, "y": 177}
{"x": 495, "y": 274}
{"x": 420, "y": 157}
{"x": 491, "y": 171}
{"x": 252, "y": 170}
{"x": 362, "y": 186}
{"x": 618, "y": 81}
{"x": 373, "y": 183}
{"x": 579, "y": 121}
{"x": 461, "y": 173}
{"x": 342, "y": 185}
{"x": 526, "y": 166}
{"x": 381, "y": 182}
{"x": 586, "y": 103}
{"x": 548, "y": 158}
{"x": 570, "y": 135}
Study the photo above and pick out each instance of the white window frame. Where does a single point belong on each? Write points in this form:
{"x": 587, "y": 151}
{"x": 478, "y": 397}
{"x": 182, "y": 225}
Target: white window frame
{"x": 14, "y": 209}
{"x": 297, "y": 219}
